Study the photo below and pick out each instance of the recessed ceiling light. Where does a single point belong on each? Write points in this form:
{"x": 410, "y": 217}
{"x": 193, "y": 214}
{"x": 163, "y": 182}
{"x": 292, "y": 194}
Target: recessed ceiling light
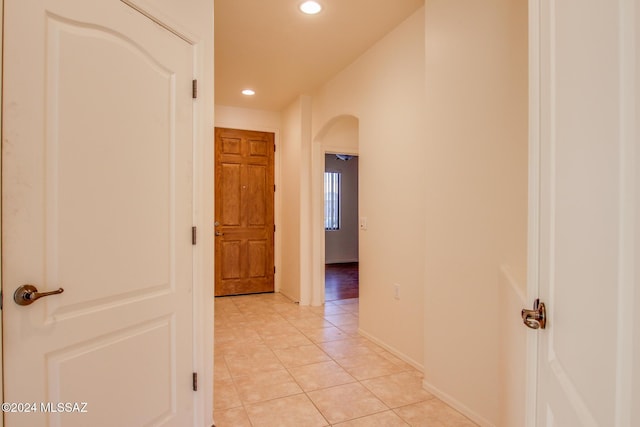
{"x": 310, "y": 7}
{"x": 248, "y": 92}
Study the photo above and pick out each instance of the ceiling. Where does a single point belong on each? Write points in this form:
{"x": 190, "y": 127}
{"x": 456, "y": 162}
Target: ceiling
{"x": 274, "y": 49}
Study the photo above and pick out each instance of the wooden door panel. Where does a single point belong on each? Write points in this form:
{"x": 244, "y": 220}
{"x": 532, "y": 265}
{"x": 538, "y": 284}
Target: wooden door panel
{"x": 230, "y": 192}
{"x": 256, "y": 204}
{"x": 230, "y": 146}
{"x": 258, "y": 148}
{"x": 258, "y": 261}
{"x": 244, "y": 212}
{"x": 230, "y": 254}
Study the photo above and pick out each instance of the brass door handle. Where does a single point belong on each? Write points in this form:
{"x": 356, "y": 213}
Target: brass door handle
{"x": 26, "y": 294}
{"x": 536, "y": 318}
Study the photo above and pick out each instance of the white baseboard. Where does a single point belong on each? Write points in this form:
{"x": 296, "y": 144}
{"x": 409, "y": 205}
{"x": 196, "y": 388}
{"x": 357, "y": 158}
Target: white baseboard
{"x": 457, "y": 405}
{"x": 284, "y": 293}
{"x": 393, "y": 351}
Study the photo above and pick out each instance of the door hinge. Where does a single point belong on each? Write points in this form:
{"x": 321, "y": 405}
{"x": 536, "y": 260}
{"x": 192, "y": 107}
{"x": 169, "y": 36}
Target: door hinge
{"x": 274, "y": 269}
{"x": 194, "y": 235}
{"x": 274, "y": 148}
{"x": 195, "y": 381}
{"x": 274, "y": 188}
{"x": 274, "y": 228}
{"x": 194, "y": 89}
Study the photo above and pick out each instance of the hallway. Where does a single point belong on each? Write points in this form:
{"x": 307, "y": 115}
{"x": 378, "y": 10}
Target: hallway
{"x": 279, "y": 364}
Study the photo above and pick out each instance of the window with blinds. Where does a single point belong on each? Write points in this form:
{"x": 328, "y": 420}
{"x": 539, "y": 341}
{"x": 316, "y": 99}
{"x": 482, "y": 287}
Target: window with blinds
{"x": 331, "y": 201}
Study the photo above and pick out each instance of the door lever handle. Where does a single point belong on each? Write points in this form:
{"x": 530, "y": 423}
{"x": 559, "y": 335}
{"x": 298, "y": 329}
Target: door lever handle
{"x": 219, "y": 233}
{"x": 26, "y": 294}
{"x": 536, "y": 318}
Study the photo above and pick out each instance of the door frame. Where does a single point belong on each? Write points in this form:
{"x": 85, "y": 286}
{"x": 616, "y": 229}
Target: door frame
{"x": 1, "y": 263}
{"x": 200, "y": 36}
{"x": 533, "y": 236}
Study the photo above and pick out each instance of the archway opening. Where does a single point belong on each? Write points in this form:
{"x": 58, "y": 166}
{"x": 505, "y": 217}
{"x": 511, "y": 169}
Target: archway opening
{"x": 338, "y": 136}
{"x": 341, "y": 227}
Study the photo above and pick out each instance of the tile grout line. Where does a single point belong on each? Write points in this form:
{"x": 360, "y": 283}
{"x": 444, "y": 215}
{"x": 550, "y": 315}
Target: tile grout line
{"x": 331, "y": 358}
{"x": 289, "y": 317}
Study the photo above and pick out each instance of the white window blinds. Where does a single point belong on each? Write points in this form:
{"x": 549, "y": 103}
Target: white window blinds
{"x": 332, "y": 201}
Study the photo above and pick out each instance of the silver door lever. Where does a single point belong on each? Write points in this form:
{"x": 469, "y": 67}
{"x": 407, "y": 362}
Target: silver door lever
{"x": 536, "y": 318}
{"x": 26, "y": 294}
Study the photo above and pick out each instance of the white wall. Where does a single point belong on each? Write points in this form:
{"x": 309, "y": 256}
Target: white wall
{"x": 248, "y": 119}
{"x": 290, "y": 153}
{"x": 342, "y": 245}
{"x": 340, "y": 135}
{"x": 512, "y": 343}
{"x": 384, "y": 90}
{"x": 306, "y": 199}
{"x": 476, "y": 187}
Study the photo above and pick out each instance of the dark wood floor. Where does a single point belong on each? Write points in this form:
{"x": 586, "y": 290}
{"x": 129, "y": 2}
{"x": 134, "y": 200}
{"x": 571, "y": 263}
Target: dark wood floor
{"x": 341, "y": 281}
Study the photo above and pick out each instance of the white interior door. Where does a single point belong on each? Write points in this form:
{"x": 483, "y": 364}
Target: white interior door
{"x": 97, "y": 199}
{"x": 583, "y": 248}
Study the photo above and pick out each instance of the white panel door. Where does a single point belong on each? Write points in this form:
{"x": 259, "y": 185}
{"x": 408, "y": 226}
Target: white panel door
{"x": 97, "y": 199}
{"x": 583, "y": 249}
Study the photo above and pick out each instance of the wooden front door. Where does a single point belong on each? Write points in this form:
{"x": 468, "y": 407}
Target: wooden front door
{"x": 244, "y": 222}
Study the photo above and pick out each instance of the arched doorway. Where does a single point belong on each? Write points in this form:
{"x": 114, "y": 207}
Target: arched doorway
{"x": 338, "y": 135}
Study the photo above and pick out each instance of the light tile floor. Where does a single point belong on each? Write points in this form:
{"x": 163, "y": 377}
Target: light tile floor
{"x": 278, "y": 364}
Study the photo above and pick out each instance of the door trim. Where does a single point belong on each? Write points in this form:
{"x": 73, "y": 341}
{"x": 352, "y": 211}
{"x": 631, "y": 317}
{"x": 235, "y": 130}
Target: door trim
{"x": 533, "y": 236}
{"x": 203, "y": 190}
{"x": 629, "y": 241}
{"x": 203, "y": 205}
{"x": 1, "y": 197}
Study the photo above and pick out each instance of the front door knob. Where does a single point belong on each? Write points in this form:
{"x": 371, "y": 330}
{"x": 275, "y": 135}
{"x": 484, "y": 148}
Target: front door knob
{"x": 26, "y": 294}
{"x": 536, "y": 318}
